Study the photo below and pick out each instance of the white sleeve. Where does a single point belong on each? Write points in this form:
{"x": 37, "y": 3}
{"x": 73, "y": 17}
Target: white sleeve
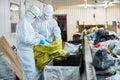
{"x": 36, "y": 29}
{"x": 56, "y": 31}
{"x": 27, "y": 35}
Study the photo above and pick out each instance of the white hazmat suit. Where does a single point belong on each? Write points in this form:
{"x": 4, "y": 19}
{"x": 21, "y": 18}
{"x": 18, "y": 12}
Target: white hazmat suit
{"x": 25, "y": 41}
{"x": 46, "y": 26}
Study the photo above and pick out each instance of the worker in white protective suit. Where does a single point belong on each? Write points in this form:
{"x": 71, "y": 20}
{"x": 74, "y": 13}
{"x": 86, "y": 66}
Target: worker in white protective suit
{"x": 46, "y": 26}
{"x": 25, "y": 41}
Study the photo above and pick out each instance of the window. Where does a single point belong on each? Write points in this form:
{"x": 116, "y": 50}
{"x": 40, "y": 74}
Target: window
{"x": 14, "y": 16}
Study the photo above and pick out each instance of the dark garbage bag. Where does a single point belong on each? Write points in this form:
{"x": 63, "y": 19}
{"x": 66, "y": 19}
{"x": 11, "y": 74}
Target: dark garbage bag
{"x": 101, "y": 61}
{"x": 110, "y": 37}
{"x": 102, "y": 36}
{"x": 6, "y": 71}
{"x": 101, "y": 33}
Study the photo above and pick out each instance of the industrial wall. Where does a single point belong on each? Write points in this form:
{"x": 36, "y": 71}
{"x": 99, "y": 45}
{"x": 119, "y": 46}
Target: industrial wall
{"x": 85, "y": 15}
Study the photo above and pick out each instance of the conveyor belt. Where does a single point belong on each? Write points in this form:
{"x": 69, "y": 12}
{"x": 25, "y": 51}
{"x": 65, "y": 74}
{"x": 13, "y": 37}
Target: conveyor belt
{"x": 90, "y": 71}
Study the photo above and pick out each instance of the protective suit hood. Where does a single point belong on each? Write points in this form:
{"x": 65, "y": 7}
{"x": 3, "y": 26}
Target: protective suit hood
{"x": 48, "y": 10}
{"x": 32, "y": 13}
{"x": 34, "y": 10}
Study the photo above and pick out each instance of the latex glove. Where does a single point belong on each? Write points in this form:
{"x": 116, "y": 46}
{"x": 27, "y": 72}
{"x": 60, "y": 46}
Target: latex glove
{"x": 44, "y": 42}
{"x": 48, "y": 41}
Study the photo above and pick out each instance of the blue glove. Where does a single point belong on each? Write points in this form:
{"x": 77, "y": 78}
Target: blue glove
{"x": 48, "y": 41}
{"x": 44, "y": 42}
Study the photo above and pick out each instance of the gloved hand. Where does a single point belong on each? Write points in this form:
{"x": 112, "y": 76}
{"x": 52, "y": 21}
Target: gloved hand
{"x": 48, "y": 41}
{"x": 44, "y": 42}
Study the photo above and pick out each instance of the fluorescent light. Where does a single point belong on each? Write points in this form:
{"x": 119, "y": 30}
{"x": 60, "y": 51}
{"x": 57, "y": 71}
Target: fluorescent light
{"x": 14, "y": 7}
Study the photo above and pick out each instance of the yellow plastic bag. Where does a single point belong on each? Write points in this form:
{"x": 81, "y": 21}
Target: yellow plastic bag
{"x": 45, "y": 53}
{"x": 59, "y": 55}
{"x": 41, "y": 59}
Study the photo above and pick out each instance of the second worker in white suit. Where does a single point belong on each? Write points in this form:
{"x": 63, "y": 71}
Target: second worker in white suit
{"x": 46, "y": 26}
